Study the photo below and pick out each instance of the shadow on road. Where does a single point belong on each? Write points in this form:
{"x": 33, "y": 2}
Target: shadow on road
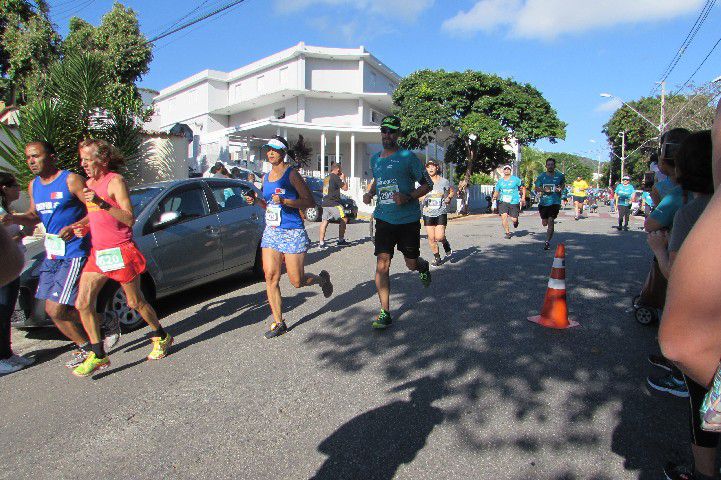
{"x": 556, "y": 385}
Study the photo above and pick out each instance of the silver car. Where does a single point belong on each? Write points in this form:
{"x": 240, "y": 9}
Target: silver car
{"x": 191, "y": 232}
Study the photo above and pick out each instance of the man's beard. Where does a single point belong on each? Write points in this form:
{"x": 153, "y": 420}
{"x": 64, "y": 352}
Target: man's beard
{"x": 389, "y": 144}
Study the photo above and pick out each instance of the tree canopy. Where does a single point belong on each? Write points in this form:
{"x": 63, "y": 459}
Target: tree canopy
{"x": 533, "y": 162}
{"x": 475, "y": 114}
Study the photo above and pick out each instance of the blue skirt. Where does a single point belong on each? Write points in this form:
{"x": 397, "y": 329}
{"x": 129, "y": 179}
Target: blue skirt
{"x": 285, "y": 240}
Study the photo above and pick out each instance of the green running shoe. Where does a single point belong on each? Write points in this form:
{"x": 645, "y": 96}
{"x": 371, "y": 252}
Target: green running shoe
{"x": 425, "y": 275}
{"x": 383, "y": 321}
{"x": 90, "y": 365}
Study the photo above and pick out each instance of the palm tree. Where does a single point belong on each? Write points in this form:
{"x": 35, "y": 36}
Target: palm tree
{"x": 79, "y": 101}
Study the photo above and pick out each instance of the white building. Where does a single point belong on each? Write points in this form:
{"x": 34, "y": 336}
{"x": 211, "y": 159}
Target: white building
{"x": 334, "y": 97}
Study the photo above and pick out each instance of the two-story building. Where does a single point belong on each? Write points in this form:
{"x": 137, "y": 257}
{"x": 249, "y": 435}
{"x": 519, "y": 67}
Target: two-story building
{"x": 334, "y": 97}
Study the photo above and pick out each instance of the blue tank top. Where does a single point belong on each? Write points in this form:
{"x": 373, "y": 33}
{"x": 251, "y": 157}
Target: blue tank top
{"x": 290, "y": 217}
{"x": 58, "y": 208}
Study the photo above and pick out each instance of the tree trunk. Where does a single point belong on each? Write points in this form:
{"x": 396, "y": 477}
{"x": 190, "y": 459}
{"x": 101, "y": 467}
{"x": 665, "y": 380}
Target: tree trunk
{"x": 470, "y": 159}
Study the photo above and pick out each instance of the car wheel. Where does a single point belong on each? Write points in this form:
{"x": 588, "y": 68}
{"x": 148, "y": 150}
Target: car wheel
{"x": 645, "y": 316}
{"x": 117, "y": 302}
{"x": 313, "y": 214}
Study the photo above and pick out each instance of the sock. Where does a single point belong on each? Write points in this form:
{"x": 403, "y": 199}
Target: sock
{"x": 446, "y": 245}
{"x": 84, "y": 346}
{"x": 437, "y": 256}
{"x": 159, "y": 333}
{"x": 98, "y": 349}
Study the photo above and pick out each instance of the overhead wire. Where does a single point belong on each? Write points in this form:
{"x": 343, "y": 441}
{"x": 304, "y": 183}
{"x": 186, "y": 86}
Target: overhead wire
{"x": 194, "y": 21}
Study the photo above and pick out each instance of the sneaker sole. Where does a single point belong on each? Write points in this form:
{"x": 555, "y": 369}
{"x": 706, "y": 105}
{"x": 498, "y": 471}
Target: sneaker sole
{"x": 379, "y": 326}
{"x": 327, "y": 285}
{"x": 96, "y": 369}
{"x": 659, "y": 388}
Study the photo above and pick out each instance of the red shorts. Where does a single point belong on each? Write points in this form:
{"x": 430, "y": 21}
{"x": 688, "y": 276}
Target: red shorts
{"x": 132, "y": 258}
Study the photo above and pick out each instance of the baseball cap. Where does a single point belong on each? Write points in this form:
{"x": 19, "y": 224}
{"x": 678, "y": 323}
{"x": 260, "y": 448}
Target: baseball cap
{"x": 507, "y": 167}
{"x": 276, "y": 144}
{"x": 391, "y": 122}
{"x": 431, "y": 161}
{"x": 625, "y": 177}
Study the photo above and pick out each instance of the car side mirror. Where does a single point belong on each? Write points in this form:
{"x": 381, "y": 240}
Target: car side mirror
{"x": 166, "y": 219}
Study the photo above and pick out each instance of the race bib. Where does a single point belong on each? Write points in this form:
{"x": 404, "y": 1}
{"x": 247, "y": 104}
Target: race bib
{"x": 54, "y": 246}
{"x": 272, "y": 215}
{"x": 385, "y": 193}
{"x": 434, "y": 203}
{"x": 549, "y": 188}
{"x": 109, "y": 260}
{"x": 506, "y": 198}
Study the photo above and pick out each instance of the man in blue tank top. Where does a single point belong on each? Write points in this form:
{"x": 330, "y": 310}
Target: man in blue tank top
{"x": 398, "y": 212}
{"x": 57, "y": 201}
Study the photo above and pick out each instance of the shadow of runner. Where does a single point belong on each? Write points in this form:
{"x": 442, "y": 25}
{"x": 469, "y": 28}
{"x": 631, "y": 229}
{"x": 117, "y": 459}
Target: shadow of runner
{"x": 375, "y": 444}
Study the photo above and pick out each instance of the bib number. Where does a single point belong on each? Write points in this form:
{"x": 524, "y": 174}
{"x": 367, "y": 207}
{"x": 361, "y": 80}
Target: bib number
{"x": 549, "y": 188}
{"x": 272, "y": 215}
{"x": 54, "y": 246}
{"x": 109, "y": 260}
{"x": 506, "y": 198}
{"x": 434, "y": 203}
{"x": 385, "y": 194}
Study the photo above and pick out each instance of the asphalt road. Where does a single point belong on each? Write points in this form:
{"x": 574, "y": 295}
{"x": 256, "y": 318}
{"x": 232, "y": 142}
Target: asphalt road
{"x": 461, "y": 386}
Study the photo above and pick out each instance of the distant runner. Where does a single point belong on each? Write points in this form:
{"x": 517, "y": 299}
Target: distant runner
{"x": 398, "y": 213}
{"x": 550, "y": 184}
{"x": 435, "y": 211}
{"x": 509, "y": 200}
{"x": 623, "y": 195}
{"x": 332, "y": 208}
{"x": 580, "y": 192}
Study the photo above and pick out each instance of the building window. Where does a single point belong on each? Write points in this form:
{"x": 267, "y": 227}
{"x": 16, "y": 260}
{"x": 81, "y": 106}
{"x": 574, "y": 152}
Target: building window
{"x": 376, "y": 117}
{"x": 279, "y": 113}
{"x": 328, "y": 160}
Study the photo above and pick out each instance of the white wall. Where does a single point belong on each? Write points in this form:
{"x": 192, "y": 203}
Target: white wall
{"x": 376, "y": 82}
{"x": 333, "y": 75}
{"x": 268, "y": 111}
{"x": 332, "y": 112}
{"x": 279, "y": 77}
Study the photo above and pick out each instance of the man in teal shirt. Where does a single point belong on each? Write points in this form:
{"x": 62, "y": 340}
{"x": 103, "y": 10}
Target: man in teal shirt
{"x": 397, "y": 213}
{"x": 509, "y": 201}
{"x": 550, "y": 184}
{"x": 623, "y": 195}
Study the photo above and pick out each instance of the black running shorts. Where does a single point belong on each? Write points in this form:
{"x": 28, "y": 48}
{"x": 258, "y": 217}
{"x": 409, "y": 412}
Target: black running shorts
{"x": 435, "y": 221}
{"x": 549, "y": 211}
{"x": 405, "y": 236}
{"x": 510, "y": 209}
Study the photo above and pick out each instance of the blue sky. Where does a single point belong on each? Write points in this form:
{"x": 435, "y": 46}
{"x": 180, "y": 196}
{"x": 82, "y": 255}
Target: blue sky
{"x": 570, "y": 50}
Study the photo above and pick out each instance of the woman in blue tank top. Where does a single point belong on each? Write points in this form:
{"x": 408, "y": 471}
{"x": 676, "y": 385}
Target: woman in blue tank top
{"x": 285, "y": 193}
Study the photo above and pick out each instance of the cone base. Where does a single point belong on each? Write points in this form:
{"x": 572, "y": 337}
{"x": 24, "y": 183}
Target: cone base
{"x": 547, "y": 323}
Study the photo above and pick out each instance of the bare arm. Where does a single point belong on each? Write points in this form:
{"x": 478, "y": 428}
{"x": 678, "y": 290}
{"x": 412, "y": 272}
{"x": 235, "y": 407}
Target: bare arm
{"x": 28, "y": 219}
{"x": 11, "y": 258}
{"x": 368, "y": 196}
{"x": 344, "y": 184}
{"x": 118, "y": 191}
{"x": 305, "y": 198}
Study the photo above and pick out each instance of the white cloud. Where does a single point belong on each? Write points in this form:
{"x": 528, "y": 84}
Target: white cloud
{"x": 406, "y": 10}
{"x": 609, "y": 105}
{"x": 547, "y": 19}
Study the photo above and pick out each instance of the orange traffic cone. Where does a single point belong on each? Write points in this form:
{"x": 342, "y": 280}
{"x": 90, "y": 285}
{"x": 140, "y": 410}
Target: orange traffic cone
{"x": 554, "y": 313}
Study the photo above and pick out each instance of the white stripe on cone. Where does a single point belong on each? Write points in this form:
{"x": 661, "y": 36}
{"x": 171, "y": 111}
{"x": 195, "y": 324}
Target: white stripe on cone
{"x": 556, "y": 284}
{"x": 559, "y": 263}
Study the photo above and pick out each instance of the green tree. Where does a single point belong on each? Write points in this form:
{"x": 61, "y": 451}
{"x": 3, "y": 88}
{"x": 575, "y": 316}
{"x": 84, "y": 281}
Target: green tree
{"x": 79, "y": 102}
{"x": 478, "y": 112}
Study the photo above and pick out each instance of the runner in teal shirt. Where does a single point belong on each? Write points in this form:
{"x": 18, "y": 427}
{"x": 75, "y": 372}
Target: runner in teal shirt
{"x": 397, "y": 173}
{"x": 623, "y": 195}
{"x": 508, "y": 197}
{"x": 550, "y": 184}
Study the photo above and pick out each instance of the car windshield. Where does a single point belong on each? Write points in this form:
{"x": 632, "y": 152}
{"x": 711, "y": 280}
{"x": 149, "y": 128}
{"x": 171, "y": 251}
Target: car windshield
{"x": 141, "y": 197}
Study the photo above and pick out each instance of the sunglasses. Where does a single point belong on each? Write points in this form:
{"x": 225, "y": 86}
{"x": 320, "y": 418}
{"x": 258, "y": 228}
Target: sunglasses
{"x": 387, "y": 130}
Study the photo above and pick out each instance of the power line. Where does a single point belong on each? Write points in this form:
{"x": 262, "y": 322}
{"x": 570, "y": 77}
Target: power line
{"x": 700, "y": 20}
{"x": 177, "y": 22}
{"x": 699, "y": 67}
{"x": 196, "y": 20}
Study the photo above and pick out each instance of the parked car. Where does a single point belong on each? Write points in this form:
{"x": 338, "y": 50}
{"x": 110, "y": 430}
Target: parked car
{"x": 314, "y": 214}
{"x": 191, "y": 232}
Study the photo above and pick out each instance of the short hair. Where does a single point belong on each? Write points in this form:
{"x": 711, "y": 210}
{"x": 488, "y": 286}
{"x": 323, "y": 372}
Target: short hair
{"x": 47, "y": 146}
{"x": 334, "y": 165}
{"x": 551, "y": 159}
{"x": 676, "y": 135}
{"x": 105, "y": 150}
{"x": 694, "y": 170}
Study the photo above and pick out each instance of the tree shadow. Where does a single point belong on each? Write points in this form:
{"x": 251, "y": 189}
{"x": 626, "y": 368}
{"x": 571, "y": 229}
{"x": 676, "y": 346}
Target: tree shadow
{"x": 501, "y": 366}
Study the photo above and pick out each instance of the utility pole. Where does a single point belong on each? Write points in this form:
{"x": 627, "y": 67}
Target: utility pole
{"x": 598, "y": 173}
{"x": 623, "y": 152}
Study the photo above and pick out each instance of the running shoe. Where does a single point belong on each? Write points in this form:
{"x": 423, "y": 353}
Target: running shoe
{"x": 508, "y": 236}
{"x": 110, "y": 329}
{"x": 160, "y": 347}
{"x": 276, "y": 330}
{"x": 322, "y": 245}
{"x": 90, "y": 365}
{"x": 546, "y": 245}
{"x": 677, "y": 472}
{"x": 575, "y": 218}
{"x": 668, "y": 384}
{"x": 77, "y": 357}
{"x": 625, "y": 229}
{"x": 661, "y": 362}
{"x": 383, "y": 321}
{"x": 6, "y": 366}
{"x": 20, "y": 360}
{"x": 342, "y": 242}
{"x": 425, "y": 275}
{"x": 326, "y": 285}
{"x": 710, "y": 408}
{"x": 437, "y": 262}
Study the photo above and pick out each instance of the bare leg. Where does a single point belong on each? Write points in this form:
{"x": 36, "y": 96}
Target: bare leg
{"x": 383, "y": 281}
{"x": 67, "y": 320}
{"x": 136, "y": 301}
{"x": 432, "y": 240}
{"x": 295, "y": 267}
{"x": 551, "y": 222}
{"x": 90, "y": 285}
{"x": 341, "y": 228}
{"x": 272, "y": 262}
{"x": 504, "y": 221}
{"x": 323, "y": 227}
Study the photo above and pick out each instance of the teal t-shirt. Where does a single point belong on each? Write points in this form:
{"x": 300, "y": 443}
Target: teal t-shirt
{"x": 624, "y": 192}
{"x": 397, "y": 173}
{"x": 668, "y": 207}
{"x": 549, "y": 185}
{"x": 664, "y": 186}
{"x": 508, "y": 190}
{"x": 646, "y": 196}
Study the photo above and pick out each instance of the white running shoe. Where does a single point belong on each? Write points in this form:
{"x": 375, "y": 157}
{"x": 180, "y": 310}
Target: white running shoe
{"x": 6, "y": 366}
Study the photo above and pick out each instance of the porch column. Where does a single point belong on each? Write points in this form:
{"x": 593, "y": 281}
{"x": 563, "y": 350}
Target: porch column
{"x": 352, "y": 156}
{"x": 322, "y": 153}
{"x": 285, "y": 134}
{"x": 337, "y": 147}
